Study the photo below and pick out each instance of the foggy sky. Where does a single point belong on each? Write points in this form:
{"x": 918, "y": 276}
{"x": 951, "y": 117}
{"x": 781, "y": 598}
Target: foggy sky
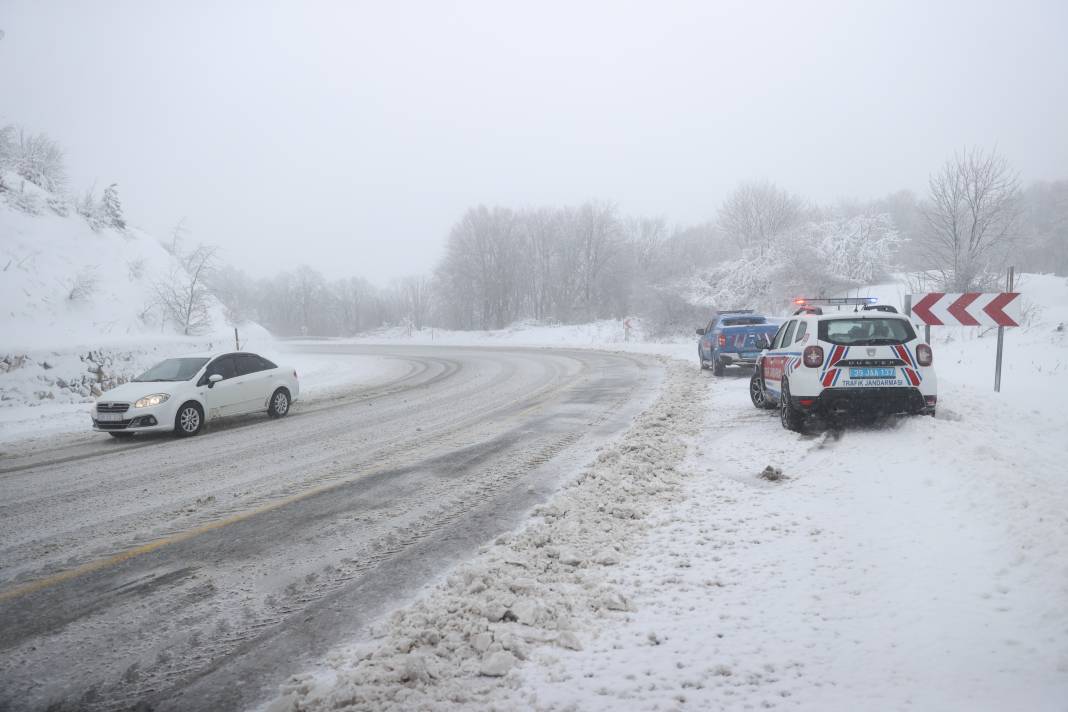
{"x": 351, "y": 136}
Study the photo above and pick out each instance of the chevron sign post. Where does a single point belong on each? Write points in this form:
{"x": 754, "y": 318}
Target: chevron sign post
{"x": 1000, "y": 309}
{"x": 969, "y": 309}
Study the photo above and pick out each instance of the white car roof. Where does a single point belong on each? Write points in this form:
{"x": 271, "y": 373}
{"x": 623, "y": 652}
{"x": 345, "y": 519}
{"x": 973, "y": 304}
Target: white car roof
{"x": 214, "y": 354}
{"x": 871, "y": 314}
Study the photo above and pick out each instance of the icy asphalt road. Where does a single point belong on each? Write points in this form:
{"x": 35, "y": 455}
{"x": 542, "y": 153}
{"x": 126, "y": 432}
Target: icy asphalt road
{"x": 195, "y": 574}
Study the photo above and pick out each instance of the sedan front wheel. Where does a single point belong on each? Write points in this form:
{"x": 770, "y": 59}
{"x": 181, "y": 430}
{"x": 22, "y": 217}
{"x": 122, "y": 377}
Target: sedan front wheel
{"x": 189, "y": 420}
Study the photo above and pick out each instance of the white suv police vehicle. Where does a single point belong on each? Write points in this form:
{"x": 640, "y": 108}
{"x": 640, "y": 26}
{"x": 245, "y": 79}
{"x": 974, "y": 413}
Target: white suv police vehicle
{"x": 855, "y": 362}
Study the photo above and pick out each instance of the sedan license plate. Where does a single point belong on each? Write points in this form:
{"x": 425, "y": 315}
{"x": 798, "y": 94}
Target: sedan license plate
{"x": 872, "y": 372}
{"x": 109, "y": 417}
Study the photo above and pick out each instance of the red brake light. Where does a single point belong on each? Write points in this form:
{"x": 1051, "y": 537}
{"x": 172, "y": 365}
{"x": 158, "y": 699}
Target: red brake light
{"x": 813, "y": 356}
{"x": 924, "y": 355}
{"x": 722, "y": 340}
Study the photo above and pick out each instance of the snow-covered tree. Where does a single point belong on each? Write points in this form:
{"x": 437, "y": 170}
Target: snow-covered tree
{"x": 858, "y": 249}
{"x": 757, "y": 213}
{"x": 184, "y": 295}
{"x": 111, "y": 207}
{"x": 971, "y": 218}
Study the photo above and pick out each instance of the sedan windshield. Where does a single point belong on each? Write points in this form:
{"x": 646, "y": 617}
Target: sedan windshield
{"x": 866, "y": 332}
{"x": 173, "y": 369}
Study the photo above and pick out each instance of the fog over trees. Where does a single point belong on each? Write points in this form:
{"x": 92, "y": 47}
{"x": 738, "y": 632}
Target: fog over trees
{"x": 578, "y": 263}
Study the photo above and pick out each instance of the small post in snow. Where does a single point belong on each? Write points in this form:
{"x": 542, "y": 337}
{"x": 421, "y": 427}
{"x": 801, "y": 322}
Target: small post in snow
{"x": 1001, "y": 335}
{"x": 237, "y": 341}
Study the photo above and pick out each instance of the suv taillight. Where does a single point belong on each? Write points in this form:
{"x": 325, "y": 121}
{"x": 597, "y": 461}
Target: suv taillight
{"x": 924, "y": 355}
{"x": 813, "y": 356}
{"x": 722, "y": 340}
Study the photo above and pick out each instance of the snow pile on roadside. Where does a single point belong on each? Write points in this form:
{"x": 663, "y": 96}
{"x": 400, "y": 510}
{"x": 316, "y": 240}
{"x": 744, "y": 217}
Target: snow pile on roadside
{"x": 917, "y": 566}
{"x": 543, "y": 588}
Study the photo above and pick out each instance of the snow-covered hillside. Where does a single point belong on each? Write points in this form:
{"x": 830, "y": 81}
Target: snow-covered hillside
{"x": 64, "y": 283}
{"x": 80, "y": 306}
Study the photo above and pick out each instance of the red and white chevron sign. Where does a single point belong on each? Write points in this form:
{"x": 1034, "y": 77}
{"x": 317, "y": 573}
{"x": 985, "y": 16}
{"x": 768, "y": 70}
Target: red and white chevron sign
{"x": 970, "y": 309}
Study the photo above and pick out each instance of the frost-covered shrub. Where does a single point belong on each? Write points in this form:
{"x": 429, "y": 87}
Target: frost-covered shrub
{"x": 58, "y": 205}
{"x": 37, "y": 158}
{"x": 83, "y": 285}
{"x": 24, "y": 200}
{"x": 89, "y": 209}
{"x": 136, "y": 269}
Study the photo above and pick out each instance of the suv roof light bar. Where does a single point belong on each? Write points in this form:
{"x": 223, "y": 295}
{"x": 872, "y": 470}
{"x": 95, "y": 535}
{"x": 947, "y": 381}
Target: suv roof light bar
{"x": 836, "y": 301}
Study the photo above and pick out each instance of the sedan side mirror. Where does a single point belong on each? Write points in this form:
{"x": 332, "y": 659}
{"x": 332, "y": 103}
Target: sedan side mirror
{"x": 700, "y": 332}
{"x": 213, "y": 379}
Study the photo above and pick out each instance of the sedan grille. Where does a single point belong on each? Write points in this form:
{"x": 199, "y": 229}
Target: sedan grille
{"x": 112, "y": 407}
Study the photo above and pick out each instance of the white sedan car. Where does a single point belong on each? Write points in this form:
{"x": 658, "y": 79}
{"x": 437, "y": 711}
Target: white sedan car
{"x": 181, "y": 394}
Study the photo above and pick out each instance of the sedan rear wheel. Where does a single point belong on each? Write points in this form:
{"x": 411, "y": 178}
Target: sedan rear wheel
{"x": 189, "y": 420}
{"x": 279, "y": 403}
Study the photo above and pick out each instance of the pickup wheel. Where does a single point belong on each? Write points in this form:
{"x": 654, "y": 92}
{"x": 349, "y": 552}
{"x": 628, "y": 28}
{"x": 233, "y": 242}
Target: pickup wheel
{"x": 701, "y": 359}
{"x": 757, "y": 393}
{"x": 791, "y": 417}
{"x": 718, "y": 369}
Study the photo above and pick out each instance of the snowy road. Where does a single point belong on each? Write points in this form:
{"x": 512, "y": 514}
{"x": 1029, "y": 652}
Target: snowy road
{"x": 193, "y": 573}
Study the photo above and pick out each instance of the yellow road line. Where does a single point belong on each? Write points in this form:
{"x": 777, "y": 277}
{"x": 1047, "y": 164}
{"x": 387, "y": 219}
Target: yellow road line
{"x": 151, "y": 546}
{"x": 114, "y": 560}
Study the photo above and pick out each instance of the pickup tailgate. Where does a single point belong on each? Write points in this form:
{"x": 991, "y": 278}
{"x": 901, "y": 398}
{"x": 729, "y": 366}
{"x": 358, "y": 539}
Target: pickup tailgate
{"x": 746, "y": 339}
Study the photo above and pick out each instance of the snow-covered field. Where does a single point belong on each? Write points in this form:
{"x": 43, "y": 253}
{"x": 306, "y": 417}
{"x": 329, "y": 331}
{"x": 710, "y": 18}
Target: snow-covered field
{"x": 918, "y": 565}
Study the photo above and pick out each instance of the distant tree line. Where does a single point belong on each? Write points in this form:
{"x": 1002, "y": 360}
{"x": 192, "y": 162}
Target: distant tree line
{"x": 766, "y": 245}
{"x": 584, "y": 262}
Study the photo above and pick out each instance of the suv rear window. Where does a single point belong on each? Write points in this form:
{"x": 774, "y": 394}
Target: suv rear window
{"x": 865, "y": 332}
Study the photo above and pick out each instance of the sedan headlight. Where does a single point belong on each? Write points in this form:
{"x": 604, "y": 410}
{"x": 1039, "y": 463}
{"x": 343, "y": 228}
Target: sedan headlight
{"x": 149, "y": 401}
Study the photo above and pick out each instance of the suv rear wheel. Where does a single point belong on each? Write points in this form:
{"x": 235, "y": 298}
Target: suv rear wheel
{"x": 791, "y": 417}
{"x": 757, "y": 393}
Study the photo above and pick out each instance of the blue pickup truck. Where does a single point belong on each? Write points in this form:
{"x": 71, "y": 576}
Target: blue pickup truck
{"x": 733, "y": 338}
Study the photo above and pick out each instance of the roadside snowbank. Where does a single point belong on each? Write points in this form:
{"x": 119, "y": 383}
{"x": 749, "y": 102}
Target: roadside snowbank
{"x": 541, "y": 589}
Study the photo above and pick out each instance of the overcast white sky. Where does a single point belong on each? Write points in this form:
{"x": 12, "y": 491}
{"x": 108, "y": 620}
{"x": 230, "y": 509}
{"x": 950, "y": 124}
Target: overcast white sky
{"x": 351, "y": 136}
